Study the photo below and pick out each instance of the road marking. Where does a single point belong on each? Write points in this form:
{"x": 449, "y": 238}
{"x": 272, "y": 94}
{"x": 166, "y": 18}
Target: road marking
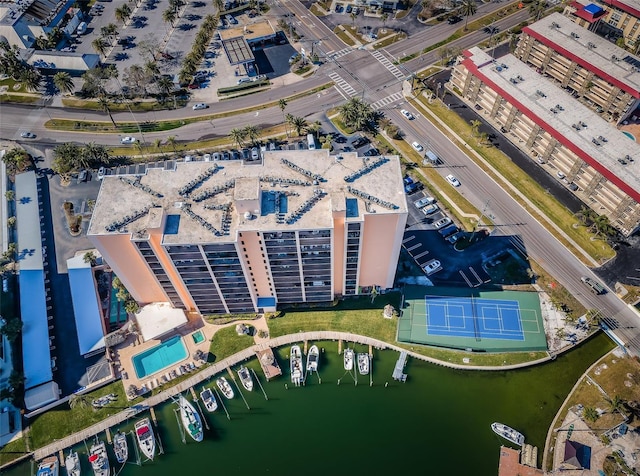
{"x": 424, "y": 253}
{"x": 386, "y": 101}
{"x": 406, "y": 240}
{"x": 464, "y": 276}
{"x": 384, "y": 61}
{"x": 341, "y": 53}
{"x": 414, "y": 247}
{"x": 342, "y": 84}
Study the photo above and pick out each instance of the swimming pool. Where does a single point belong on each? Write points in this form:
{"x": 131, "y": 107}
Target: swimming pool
{"x": 197, "y": 337}
{"x": 159, "y": 357}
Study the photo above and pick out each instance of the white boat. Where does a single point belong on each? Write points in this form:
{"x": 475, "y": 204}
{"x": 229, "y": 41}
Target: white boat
{"x": 295, "y": 363}
{"x": 209, "y": 399}
{"x": 245, "y": 378}
{"x": 348, "y": 359}
{"x": 72, "y": 464}
{"x": 145, "y": 437}
{"x": 312, "y": 359}
{"x": 363, "y": 363}
{"x": 190, "y": 419}
{"x": 120, "y": 447}
{"x": 225, "y": 387}
{"x": 99, "y": 459}
{"x": 508, "y": 433}
{"x": 48, "y": 467}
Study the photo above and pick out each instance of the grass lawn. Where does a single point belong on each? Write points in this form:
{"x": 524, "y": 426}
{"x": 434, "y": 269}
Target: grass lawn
{"x": 389, "y": 40}
{"x": 342, "y": 34}
{"x": 227, "y": 342}
{"x": 19, "y": 98}
{"x": 12, "y": 451}
{"x": 549, "y": 206}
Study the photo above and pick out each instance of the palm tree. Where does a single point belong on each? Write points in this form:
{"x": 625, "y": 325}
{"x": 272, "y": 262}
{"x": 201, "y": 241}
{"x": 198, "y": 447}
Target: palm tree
{"x": 314, "y": 128}
{"x": 157, "y": 143}
{"x": 383, "y": 18}
{"x": 298, "y": 123}
{"x": 590, "y": 414}
{"x": 122, "y": 13}
{"x": 251, "y": 133}
{"x": 76, "y": 400}
{"x": 100, "y": 46}
{"x": 586, "y": 215}
{"x": 537, "y": 8}
{"x": 237, "y": 136}
{"x": 95, "y": 154}
{"x": 63, "y": 82}
{"x": 353, "y": 16}
{"x": 357, "y": 114}
{"x": 282, "y": 104}
{"x": 104, "y": 104}
{"x": 151, "y": 68}
{"x": 171, "y": 141}
{"x": 90, "y": 258}
{"x": 427, "y": 7}
{"x": 31, "y": 79}
{"x": 219, "y": 4}
{"x": 468, "y": 8}
{"x": 475, "y": 124}
{"x": 165, "y": 85}
{"x": 169, "y": 16}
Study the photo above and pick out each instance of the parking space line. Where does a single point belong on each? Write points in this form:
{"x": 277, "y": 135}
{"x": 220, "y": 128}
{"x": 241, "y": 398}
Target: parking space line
{"x": 473, "y": 271}
{"x": 414, "y": 247}
{"x": 424, "y": 253}
{"x": 406, "y": 240}
{"x": 464, "y": 276}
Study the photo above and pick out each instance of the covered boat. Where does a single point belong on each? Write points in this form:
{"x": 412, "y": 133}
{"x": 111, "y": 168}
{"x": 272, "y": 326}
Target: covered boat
{"x": 209, "y": 399}
{"x": 245, "y": 378}
{"x": 295, "y": 363}
{"x": 312, "y": 359}
{"x": 225, "y": 387}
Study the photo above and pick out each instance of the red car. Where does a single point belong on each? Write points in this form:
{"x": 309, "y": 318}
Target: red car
{"x": 194, "y": 86}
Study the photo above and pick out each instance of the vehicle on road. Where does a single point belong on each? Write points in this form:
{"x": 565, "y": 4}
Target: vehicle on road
{"x": 595, "y": 286}
{"x": 431, "y": 157}
{"x": 407, "y": 114}
{"x": 431, "y": 267}
{"x": 128, "y": 140}
{"x": 417, "y": 146}
{"x": 442, "y": 223}
{"x": 198, "y": 106}
{"x": 27, "y": 135}
{"x": 453, "y": 180}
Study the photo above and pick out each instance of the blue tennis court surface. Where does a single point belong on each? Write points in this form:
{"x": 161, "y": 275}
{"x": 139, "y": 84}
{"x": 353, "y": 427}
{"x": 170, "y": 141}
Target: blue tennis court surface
{"x": 473, "y": 318}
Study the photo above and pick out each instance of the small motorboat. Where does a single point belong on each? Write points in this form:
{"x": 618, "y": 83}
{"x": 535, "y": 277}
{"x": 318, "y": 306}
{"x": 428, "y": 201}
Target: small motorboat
{"x": 295, "y": 363}
{"x": 120, "y": 447}
{"x": 48, "y": 467}
{"x": 146, "y": 438}
{"x": 508, "y": 433}
{"x": 348, "y": 359}
{"x": 312, "y": 359}
{"x": 363, "y": 363}
{"x": 245, "y": 378}
{"x": 99, "y": 459}
{"x": 225, "y": 387}
{"x": 72, "y": 464}
{"x": 209, "y": 399}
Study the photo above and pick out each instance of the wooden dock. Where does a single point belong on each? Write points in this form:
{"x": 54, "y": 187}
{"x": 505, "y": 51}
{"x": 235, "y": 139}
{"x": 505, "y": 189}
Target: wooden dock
{"x": 398, "y": 371}
{"x": 268, "y": 363}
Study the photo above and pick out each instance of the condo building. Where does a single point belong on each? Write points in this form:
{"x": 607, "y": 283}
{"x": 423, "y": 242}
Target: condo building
{"x": 244, "y": 236}
{"x": 612, "y": 19}
{"x": 573, "y": 143}
{"x": 599, "y": 74}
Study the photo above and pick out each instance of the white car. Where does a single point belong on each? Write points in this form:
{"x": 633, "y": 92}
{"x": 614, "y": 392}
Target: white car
{"x": 430, "y": 209}
{"x": 207, "y": 157}
{"x": 442, "y": 223}
{"x": 424, "y": 201}
{"x": 27, "y": 135}
{"x": 101, "y": 173}
{"x": 432, "y": 266}
{"x": 417, "y": 146}
{"x": 200, "y": 105}
{"x": 407, "y": 114}
{"x": 128, "y": 140}
{"x": 453, "y": 180}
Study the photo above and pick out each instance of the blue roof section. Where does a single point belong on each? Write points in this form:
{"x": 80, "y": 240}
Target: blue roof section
{"x": 593, "y": 9}
{"x": 36, "y": 355}
{"x": 85, "y": 306}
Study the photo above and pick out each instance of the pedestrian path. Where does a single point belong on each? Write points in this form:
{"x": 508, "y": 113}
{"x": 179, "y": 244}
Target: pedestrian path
{"x": 386, "y": 101}
{"x": 377, "y": 54}
{"x": 342, "y": 86}
{"x": 341, "y": 53}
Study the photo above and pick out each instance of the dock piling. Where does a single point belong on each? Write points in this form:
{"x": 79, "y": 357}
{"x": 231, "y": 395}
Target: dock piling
{"x": 61, "y": 457}
{"x": 339, "y": 346}
{"x": 153, "y": 416}
{"x": 224, "y": 407}
{"x": 108, "y": 433}
{"x": 259, "y": 383}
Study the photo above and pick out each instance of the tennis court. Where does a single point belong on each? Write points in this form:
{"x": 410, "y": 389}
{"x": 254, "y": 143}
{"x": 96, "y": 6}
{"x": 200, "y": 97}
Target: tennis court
{"x": 495, "y": 321}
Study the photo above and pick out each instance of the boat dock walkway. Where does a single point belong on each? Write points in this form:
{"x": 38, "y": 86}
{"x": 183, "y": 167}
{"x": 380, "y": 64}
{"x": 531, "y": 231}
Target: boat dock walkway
{"x": 398, "y": 371}
{"x": 209, "y": 371}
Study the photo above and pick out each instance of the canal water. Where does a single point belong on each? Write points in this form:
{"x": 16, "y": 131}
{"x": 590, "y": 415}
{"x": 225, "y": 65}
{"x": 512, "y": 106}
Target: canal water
{"x": 438, "y": 422}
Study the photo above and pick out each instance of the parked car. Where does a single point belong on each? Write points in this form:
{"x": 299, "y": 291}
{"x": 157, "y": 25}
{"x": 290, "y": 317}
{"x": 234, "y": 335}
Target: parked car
{"x": 448, "y": 230}
{"x": 453, "y": 180}
{"x": 255, "y": 153}
{"x": 348, "y": 9}
{"x": 417, "y": 146}
{"x": 199, "y": 106}
{"x": 246, "y": 154}
{"x": 412, "y": 187}
{"x": 424, "y": 201}
{"x": 101, "y": 173}
{"x": 359, "y": 141}
{"x": 454, "y": 238}
{"x": 430, "y": 209}
{"x": 226, "y": 155}
{"x": 407, "y": 114}
{"x": 128, "y": 140}
{"x": 431, "y": 267}
{"x": 372, "y": 152}
{"x": 207, "y": 157}
{"x": 215, "y": 156}
{"x": 83, "y": 175}
{"x": 235, "y": 155}
{"x": 338, "y": 139}
{"x": 442, "y": 223}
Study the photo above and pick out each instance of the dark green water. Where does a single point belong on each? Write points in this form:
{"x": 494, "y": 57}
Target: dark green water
{"x": 435, "y": 423}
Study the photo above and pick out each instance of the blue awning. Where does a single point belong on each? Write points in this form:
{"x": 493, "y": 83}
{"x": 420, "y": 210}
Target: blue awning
{"x": 36, "y": 355}
{"x": 85, "y": 306}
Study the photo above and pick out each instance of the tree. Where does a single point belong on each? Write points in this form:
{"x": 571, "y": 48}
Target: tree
{"x": 383, "y": 18}
{"x": 358, "y": 114}
{"x": 314, "y": 128}
{"x": 169, "y": 16}
{"x": 76, "y": 400}
{"x": 427, "y": 8}
{"x": 282, "y": 104}
{"x": 131, "y": 306}
{"x": 353, "y": 16}
{"x": 475, "y": 124}
{"x": 468, "y": 8}
{"x": 251, "y": 133}
{"x": 100, "y": 46}
{"x": 65, "y": 159}
{"x": 298, "y": 123}
{"x": 219, "y": 4}
{"x": 90, "y": 258}
{"x": 11, "y": 222}
{"x": 590, "y": 414}
{"x": 95, "y": 155}
{"x": 105, "y": 106}
{"x": 165, "y": 86}
{"x": 10, "y": 195}
{"x": 109, "y": 31}
{"x": 122, "y": 13}
{"x": 171, "y": 141}
{"x": 615, "y": 403}
{"x": 31, "y": 79}
{"x": 586, "y": 215}
{"x": 12, "y": 329}
{"x": 16, "y": 160}
{"x": 537, "y": 8}
{"x": 237, "y": 136}
{"x": 63, "y": 82}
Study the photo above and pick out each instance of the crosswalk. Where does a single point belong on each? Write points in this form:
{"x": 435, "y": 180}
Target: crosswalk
{"x": 388, "y": 64}
{"x": 342, "y": 86}
{"x": 341, "y": 53}
{"x": 386, "y": 101}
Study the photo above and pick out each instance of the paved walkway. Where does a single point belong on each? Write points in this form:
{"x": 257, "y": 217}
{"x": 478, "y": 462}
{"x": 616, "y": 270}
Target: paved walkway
{"x": 221, "y": 366}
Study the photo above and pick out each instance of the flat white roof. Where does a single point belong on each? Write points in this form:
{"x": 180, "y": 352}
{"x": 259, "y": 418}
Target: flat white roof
{"x": 586, "y": 48}
{"x": 157, "y": 319}
{"x": 554, "y": 109}
{"x": 28, "y": 222}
